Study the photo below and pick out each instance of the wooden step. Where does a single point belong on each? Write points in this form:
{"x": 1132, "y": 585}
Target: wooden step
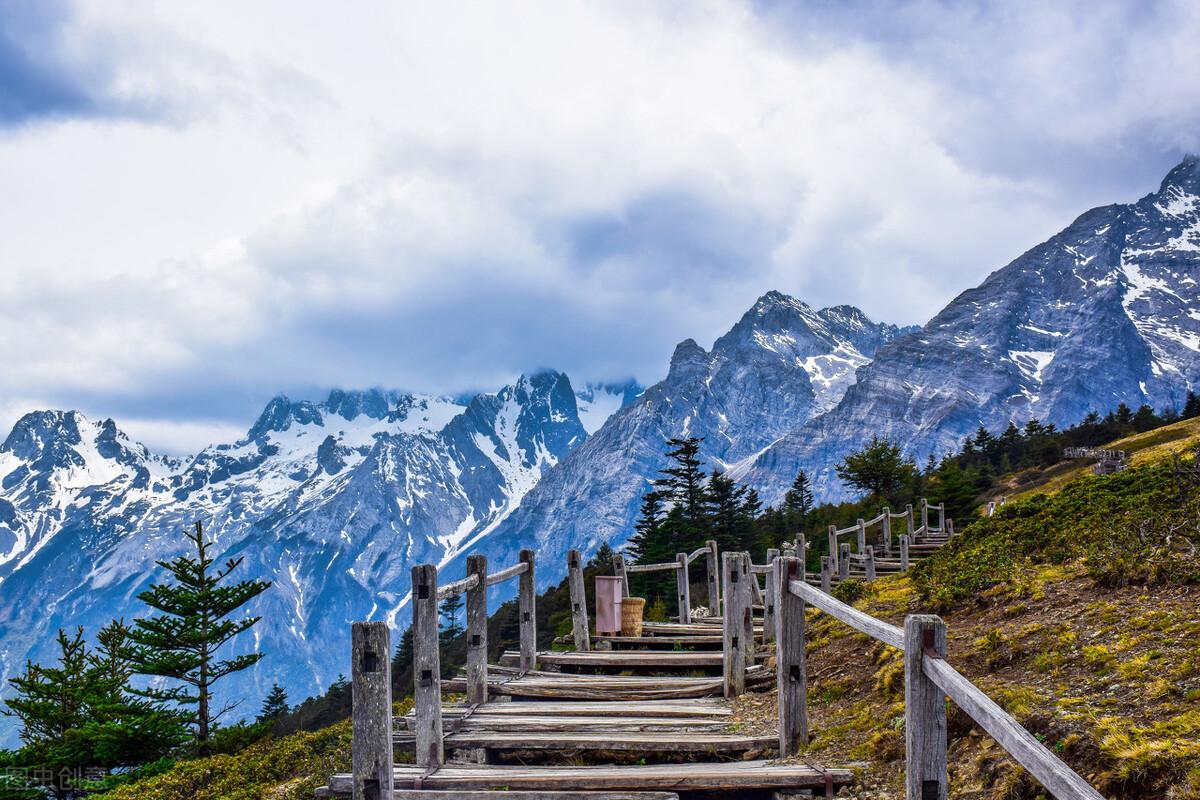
{"x": 732, "y": 776}
{"x": 603, "y": 738}
{"x": 500, "y": 794}
{"x": 700, "y": 707}
{"x": 621, "y": 659}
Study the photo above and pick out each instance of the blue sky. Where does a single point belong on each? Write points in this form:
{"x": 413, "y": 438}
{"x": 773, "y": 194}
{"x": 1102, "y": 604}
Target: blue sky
{"x": 206, "y": 204}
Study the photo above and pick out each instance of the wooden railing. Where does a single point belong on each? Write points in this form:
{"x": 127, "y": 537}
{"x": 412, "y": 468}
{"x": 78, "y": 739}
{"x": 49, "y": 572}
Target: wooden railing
{"x": 680, "y": 566}
{"x": 371, "y": 673}
{"x": 928, "y": 680}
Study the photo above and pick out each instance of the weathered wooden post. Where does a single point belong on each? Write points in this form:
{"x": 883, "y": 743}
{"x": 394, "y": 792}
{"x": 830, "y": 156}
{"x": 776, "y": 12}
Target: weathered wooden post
{"x": 941, "y": 516}
{"x": 887, "y": 531}
{"x": 748, "y": 609}
{"x": 714, "y": 579}
{"x": 526, "y": 607}
{"x": 904, "y": 553}
{"x": 477, "y": 639}
{"x": 791, "y": 674}
{"x": 683, "y": 588}
{"x": 771, "y": 599}
{"x": 833, "y": 546}
{"x": 870, "y": 563}
{"x": 619, "y": 571}
{"x": 826, "y": 574}
{"x": 844, "y": 562}
{"x": 579, "y": 613}
{"x": 924, "y": 517}
{"x": 427, "y": 669}
{"x": 733, "y": 638}
{"x": 862, "y": 537}
{"x": 908, "y": 517}
{"x": 802, "y": 548}
{"x": 950, "y": 527}
{"x": 371, "y": 690}
{"x": 924, "y": 710}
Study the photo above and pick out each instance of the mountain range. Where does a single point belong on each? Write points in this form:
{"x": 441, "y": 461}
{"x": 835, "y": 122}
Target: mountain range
{"x": 334, "y": 500}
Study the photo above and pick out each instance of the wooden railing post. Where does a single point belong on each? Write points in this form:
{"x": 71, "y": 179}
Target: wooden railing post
{"x": 904, "y": 538}
{"x": 870, "y": 563}
{"x": 477, "y": 638}
{"x": 427, "y": 668}
{"x": 770, "y": 599}
{"x": 942, "y": 516}
{"x": 683, "y": 588}
{"x": 714, "y": 579}
{"x": 791, "y": 674}
{"x": 833, "y": 546}
{"x": 526, "y": 600}
{"x": 733, "y": 634}
{"x": 950, "y": 528}
{"x": 371, "y": 690}
{"x": 748, "y": 585}
{"x": 802, "y": 548}
{"x": 887, "y": 531}
{"x": 908, "y": 517}
{"x": 826, "y": 574}
{"x": 619, "y": 571}
{"x": 579, "y": 613}
{"x": 862, "y": 537}
{"x": 925, "y": 515}
{"x": 924, "y": 710}
{"x": 844, "y": 562}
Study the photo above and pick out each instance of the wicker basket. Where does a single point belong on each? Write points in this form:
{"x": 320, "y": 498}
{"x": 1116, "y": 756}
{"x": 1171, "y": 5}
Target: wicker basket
{"x": 631, "y": 615}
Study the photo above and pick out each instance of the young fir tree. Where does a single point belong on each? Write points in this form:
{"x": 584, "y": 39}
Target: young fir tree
{"x": 52, "y": 703}
{"x": 725, "y": 510}
{"x": 798, "y": 503}
{"x": 449, "y": 610}
{"x": 126, "y": 728}
{"x": 647, "y": 540}
{"x": 1191, "y": 407}
{"x": 683, "y": 482}
{"x": 196, "y": 620}
{"x": 275, "y": 705}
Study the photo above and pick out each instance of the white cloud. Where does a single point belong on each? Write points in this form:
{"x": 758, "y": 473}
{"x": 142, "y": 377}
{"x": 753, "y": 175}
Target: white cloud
{"x": 437, "y": 196}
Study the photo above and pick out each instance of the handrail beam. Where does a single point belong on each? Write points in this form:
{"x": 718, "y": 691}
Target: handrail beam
{"x": 506, "y": 574}
{"x": 458, "y": 587}
{"x": 1050, "y": 771}
{"x": 864, "y": 623}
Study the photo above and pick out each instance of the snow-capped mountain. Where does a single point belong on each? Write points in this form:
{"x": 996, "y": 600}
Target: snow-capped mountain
{"x": 1107, "y": 311}
{"x": 333, "y": 501}
{"x": 782, "y": 363}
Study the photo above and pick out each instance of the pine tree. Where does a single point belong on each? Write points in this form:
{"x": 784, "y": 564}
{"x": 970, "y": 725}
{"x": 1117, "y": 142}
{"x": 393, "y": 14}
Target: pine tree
{"x": 879, "y": 468}
{"x": 449, "y": 610}
{"x": 798, "y": 502}
{"x": 1123, "y": 415}
{"x": 182, "y": 642}
{"x": 602, "y": 561}
{"x": 683, "y": 484}
{"x": 275, "y": 705}
{"x": 647, "y": 538}
{"x": 126, "y": 728}
{"x": 725, "y": 500}
{"x": 1191, "y": 407}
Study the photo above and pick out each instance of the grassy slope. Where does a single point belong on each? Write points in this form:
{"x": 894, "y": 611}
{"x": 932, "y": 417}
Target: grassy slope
{"x": 1076, "y": 610}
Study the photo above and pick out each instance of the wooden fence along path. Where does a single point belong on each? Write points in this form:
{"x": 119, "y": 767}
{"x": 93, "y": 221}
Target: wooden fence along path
{"x": 670, "y": 708}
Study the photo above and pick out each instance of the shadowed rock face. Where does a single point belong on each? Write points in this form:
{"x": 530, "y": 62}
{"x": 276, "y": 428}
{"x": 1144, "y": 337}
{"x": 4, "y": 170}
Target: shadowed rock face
{"x": 1107, "y": 311}
{"x": 334, "y": 501}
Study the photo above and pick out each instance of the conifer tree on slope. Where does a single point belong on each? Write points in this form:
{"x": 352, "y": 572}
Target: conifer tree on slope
{"x": 182, "y": 642}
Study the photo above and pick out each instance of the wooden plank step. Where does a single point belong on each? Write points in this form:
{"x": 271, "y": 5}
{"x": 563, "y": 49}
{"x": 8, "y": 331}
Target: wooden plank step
{"x": 684, "y": 628}
{"x": 604, "y": 739}
{"x": 730, "y": 776}
{"x": 620, "y": 659}
{"x": 665, "y": 640}
{"x": 701, "y": 707}
{"x": 559, "y": 686}
{"x": 539, "y": 724}
{"x": 500, "y": 794}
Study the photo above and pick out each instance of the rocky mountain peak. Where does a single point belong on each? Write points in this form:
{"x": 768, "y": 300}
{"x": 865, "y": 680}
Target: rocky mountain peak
{"x": 688, "y": 360}
{"x": 1184, "y": 177}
